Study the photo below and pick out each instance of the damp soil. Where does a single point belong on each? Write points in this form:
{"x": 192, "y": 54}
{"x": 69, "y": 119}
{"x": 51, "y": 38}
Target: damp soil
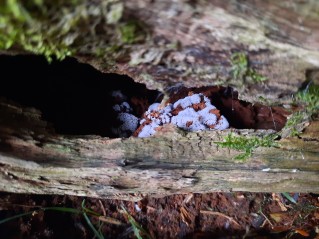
{"x": 213, "y": 215}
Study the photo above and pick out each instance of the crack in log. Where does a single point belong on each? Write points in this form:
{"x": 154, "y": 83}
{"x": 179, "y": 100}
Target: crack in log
{"x": 174, "y": 161}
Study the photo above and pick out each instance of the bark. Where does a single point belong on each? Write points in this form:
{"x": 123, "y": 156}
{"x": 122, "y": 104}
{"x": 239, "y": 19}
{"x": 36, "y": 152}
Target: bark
{"x": 33, "y": 160}
{"x": 193, "y": 44}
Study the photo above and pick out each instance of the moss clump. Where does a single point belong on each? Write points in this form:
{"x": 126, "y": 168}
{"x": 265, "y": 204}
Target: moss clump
{"x": 242, "y": 70}
{"x": 309, "y": 99}
{"x": 293, "y": 121}
{"x": 59, "y": 28}
{"x": 247, "y": 144}
{"x": 131, "y": 32}
{"x": 24, "y": 24}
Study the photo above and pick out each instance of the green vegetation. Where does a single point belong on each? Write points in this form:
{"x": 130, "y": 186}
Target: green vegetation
{"x": 86, "y": 212}
{"x": 309, "y": 99}
{"x": 247, "y": 144}
{"x": 21, "y": 29}
{"x": 59, "y": 209}
{"x": 242, "y": 70}
{"x": 290, "y": 198}
{"x": 139, "y": 232}
{"x": 131, "y": 32}
{"x": 293, "y": 121}
{"x": 57, "y": 28}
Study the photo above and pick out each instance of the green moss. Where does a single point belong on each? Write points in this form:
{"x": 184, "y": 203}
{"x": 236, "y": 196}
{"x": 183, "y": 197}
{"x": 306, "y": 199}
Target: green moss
{"x": 22, "y": 29}
{"x": 129, "y": 32}
{"x": 309, "y": 99}
{"x": 58, "y": 148}
{"x": 247, "y": 144}
{"x": 242, "y": 70}
{"x": 115, "y": 12}
{"x": 293, "y": 121}
{"x": 58, "y": 28}
{"x": 239, "y": 65}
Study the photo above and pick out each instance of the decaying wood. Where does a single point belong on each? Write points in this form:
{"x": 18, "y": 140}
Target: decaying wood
{"x": 33, "y": 160}
{"x": 280, "y": 38}
{"x": 190, "y": 43}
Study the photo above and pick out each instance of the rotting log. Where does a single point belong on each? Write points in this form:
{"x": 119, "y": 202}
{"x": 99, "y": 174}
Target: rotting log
{"x": 33, "y": 160}
{"x": 281, "y": 40}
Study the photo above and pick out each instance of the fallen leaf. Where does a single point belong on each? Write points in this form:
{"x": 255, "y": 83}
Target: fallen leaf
{"x": 279, "y": 229}
{"x": 277, "y": 198}
{"x": 277, "y": 217}
{"x": 302, "y": 232}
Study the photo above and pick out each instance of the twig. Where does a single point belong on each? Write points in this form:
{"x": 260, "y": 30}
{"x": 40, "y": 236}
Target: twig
{"x": 188, "y": 198}
{"x": 110, "y": 220}
{"x": 222, "y": 215}
{"x": 261, "y": 212}
{"x": 102, "y": 208}
{"x": 185, "y": 215}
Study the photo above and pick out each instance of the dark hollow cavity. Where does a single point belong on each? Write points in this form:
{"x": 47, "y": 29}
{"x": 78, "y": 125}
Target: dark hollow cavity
{"x": 77, "y": 99}
{"x": 74, "y": 97}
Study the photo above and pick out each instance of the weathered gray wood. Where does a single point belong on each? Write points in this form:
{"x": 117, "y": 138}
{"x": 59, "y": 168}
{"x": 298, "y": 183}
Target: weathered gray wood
{"x": 34, "y": 160}
{"x": 281, "y": 39}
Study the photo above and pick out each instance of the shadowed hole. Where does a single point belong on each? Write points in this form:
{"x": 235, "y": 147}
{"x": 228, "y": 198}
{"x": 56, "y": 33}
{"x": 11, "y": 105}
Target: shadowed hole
{"x": 77, "y": 99}
{"x": 74, "y": 97}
